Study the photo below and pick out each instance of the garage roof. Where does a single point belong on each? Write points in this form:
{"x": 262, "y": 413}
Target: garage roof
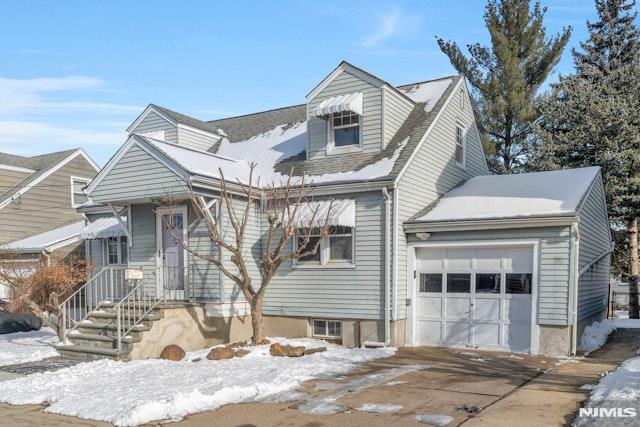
{"x": 555, "y": 193}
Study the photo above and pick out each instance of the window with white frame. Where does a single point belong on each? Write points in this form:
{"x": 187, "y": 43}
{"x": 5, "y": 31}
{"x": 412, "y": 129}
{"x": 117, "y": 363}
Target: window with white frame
{"x": 116, "y": 250}
{"x": 336, "y": 248}
{"x": 345, "y": 129}
{"x": 78, "y": 196}
{"x": 327, "y": 328}
{"x": 460, "y": 146}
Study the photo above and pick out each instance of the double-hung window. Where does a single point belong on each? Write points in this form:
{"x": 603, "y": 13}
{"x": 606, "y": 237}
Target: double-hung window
{"x": 334, "y": 249}
{"x": 345, "y": 129}
{"x": 116, "y": 250}
{"x": 460, "y": 146}
{"x": 78, "y": 195}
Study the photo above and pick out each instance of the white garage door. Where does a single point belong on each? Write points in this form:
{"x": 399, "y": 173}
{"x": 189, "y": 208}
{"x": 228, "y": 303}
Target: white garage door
{"x": 476, "y": 297}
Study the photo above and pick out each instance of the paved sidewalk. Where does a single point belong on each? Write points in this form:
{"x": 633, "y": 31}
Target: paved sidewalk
{"x": 472, "y": 387}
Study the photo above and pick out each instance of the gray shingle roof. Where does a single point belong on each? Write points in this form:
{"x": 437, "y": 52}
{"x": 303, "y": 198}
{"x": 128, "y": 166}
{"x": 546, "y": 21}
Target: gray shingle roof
{"x": 41, "y": 164}
{"x": 186, "y": 120}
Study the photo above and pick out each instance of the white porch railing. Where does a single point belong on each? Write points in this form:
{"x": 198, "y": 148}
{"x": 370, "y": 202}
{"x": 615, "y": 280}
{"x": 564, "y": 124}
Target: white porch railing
{"x": 108, "y": 284}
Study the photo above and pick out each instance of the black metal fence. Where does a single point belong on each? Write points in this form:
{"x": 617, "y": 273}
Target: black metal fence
{"x": 621, "y": 305}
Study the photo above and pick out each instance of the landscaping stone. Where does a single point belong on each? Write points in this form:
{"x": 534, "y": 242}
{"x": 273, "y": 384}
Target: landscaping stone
{"x": 242, "y": 352}
{"x": 220, "y": 353}
{"x": 286, "y": 350}
{"x": 314, "y": 350}
{"x": 172, "y": 352}
{"x": 197, "y": 359}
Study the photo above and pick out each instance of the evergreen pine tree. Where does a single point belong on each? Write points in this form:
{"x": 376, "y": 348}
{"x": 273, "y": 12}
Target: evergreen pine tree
{"x": 592, "y": 117}
{"x": 507, "y": 75}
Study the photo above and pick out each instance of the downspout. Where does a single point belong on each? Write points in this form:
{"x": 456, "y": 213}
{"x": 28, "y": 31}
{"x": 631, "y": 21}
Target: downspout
{"x": 387, "y": 273}
{"x": 575, "y": 233}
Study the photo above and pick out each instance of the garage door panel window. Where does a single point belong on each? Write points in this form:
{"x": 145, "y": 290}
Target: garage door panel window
{"x": 431, "y": 283}
{"x": 488, "y": 283}
{"x": 459, "y": 283}
{"x": 518, "y": 283}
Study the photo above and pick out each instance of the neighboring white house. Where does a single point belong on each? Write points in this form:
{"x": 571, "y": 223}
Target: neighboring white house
{"x": 426, "y": 249}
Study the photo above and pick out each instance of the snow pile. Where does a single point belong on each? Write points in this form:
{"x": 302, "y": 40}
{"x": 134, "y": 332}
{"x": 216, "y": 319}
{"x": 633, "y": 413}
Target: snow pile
{"x": 435, "y": 420}
{"x": 595, "y": 336}
{"x": 515, "y": 195}
{"x": 379, "y": 408}
{"x": 23, "y": 347}
{"x": 427, "y": 92}
{"x": 617, "y": 390}
{"x": 142, "y": 391}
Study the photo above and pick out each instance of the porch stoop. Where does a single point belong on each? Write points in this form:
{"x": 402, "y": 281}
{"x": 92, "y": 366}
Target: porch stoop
{"x": 96, "y": 337}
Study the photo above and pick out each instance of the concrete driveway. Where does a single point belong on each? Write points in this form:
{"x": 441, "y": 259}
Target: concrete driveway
{"x": 472, "y": 387}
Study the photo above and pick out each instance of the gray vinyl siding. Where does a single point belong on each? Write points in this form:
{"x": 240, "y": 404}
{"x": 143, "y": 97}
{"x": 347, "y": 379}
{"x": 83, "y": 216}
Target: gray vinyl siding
{"x": 355, "y": 293}
{"x": 96, "y": 255}
{"x": 45, "y": 206}
{"x": 142, "y": 254}
{"x": 252, "y": 248}
{"x": 154, "y": 122}
{"x": 432, "y": 172}
{"x": 595, "y": 239}
{"x": 371, "y": 120}
{"x": 137, "y": 175}
{"x": 196, "y": 140}
{"x": 396, "y": 111}
{"x": 553, "y": 269}
{"x": 9, "y": 178}
{"x": 206, "y": 277}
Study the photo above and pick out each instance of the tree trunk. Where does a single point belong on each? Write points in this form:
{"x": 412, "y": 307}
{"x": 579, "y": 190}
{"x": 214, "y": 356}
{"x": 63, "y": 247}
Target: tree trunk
{"x": 256, "y": 321}
{"x": 634, "y": 307}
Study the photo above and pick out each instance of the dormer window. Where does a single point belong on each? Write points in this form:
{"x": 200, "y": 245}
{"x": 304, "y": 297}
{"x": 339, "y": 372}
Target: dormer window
{"x": 345, "y": 129}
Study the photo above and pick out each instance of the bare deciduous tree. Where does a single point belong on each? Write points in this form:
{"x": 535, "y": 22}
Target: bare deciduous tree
{"x": 280, "y": 204}
{"x": 39, "y": 289}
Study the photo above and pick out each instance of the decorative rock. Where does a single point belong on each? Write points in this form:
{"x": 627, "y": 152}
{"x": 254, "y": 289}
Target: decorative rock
{"x": 286, "y": 350}
{"x": 220, "y": 353}
{"x": 242, "y": 352}
{"x": 197, "y": 359}
{"x": 263, "y": 341}
{"x": 314, "y": 350}
{"x": 172, "y": 352}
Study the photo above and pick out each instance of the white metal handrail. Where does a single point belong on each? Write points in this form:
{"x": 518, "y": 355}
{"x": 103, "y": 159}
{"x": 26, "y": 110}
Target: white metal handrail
{"x": 108, "y": 284}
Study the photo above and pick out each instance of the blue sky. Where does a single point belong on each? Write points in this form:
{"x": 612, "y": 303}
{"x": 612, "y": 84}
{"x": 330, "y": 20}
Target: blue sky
{"x": 77, "y": 73}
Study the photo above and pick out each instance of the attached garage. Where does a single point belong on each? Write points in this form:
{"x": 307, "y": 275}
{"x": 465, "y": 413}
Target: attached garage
{"x": 476, "y": 296}
{"x": 510, "y": 263}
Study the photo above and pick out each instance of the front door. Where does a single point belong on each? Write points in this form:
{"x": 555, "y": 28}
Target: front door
{"x": 171, "y": 254}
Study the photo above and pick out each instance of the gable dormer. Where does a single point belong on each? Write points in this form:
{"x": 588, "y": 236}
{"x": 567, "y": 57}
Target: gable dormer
{"x": 169, "y": 126}
{"x": 353, "y": 111}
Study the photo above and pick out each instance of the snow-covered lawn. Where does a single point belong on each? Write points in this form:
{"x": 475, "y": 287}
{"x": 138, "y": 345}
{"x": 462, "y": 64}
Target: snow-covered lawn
{"x": 133, "y": 393}
{"x": 22, "y": 347}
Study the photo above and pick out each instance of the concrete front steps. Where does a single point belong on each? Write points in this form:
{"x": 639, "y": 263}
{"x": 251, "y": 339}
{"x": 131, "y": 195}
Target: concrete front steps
{"x": 96, "y": 337}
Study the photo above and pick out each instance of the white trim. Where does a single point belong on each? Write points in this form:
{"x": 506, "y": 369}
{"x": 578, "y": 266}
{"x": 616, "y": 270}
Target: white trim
{"x": 331, "y": 149}
{"x": 489, "y": 224}
{"x": 394, "y": 256}
{"x": 463, "y": 131}
{"x": 15, "y": 168}
{"x": 411, "y": 264}
{"x": 144, "y": 115}
{"x": 184, "y": 211}
{"x": 427, "y": 132}
{"x": 47, "y": 174}
{"x": 82, "y": 179}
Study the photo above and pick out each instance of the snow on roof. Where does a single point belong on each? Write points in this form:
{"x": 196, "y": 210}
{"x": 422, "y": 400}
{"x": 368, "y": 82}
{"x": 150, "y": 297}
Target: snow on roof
{"x": 427, "y": 92}
{"x": 44, "y": 241}
{"x": 266, "y": 150}
{"x": 518, "y": 195}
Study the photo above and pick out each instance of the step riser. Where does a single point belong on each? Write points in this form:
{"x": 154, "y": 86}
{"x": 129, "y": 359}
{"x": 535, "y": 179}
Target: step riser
{"x": 107, "y": 332}
{"x": 112, "y": 322}
{"x": 87, "y": 357}
{"x": 100, "y": 344}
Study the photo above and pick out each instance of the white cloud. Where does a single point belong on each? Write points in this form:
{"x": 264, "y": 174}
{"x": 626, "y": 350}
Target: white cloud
{"x": 28, "y": 95}
{"x": 388, "y": 25}
{"x": 24, "y": 135}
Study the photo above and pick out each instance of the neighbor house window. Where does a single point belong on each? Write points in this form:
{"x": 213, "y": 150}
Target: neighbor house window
{"x": 336, "y": 248}
{"x": 460, "y": 146}
{"x": 116, "y": 250}
{"x": 327, "y": 328}
{"x": 78, "y": 196}
{"x": 345, "y": 129}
